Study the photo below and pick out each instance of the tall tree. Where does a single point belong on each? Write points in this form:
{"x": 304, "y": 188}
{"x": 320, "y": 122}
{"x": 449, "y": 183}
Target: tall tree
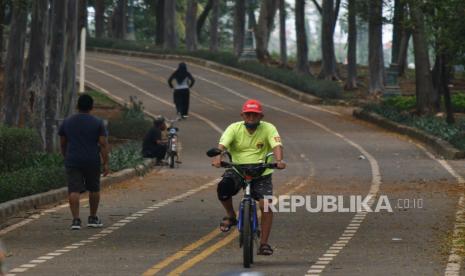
{"x": 119, "y": 19}
{"x": 2, "y": 18}
{"x": 351, "y": 82}
{"x": 397, "y": 29}
{"x": 282, "y": 32}
{"x": 375, "y": 47}
{"x": 68, "y": 91}
{"x": 82, "y": 14}
{"x": 328, "y": 66}
{"x": 302, "y": 47}
{"x": 268, "y": 10}
{"x": 239, "y": 26}
{"x": 160, "y": 22}
{"x": 403, "y": 50}
{"x": 214, "y": 25}
{"x": 191, "y": 21}
{"x": 55, "y": 73}
{"x": 12, "y": 96}
{"x": 423, "y": 79}
{"x": 170, "y": 39}
{"x": 202, "y": 18}
{"x": 99, "y": 18}
{"x": 35, "y": 69}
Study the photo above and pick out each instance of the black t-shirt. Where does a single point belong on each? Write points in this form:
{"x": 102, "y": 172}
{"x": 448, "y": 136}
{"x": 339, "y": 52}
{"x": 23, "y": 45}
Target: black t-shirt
{"x": 150, "y": 140}
{"x": 82, "y": 132}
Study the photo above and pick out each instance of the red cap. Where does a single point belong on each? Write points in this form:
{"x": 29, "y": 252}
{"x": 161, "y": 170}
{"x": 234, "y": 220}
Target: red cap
{"x": 252, "y": 106}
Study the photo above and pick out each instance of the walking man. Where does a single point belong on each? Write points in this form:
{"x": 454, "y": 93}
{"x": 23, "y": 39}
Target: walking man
{"x": 84, "y": 144}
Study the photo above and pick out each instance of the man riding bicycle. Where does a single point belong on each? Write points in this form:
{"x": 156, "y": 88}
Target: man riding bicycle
{"x": 248, "y": 141}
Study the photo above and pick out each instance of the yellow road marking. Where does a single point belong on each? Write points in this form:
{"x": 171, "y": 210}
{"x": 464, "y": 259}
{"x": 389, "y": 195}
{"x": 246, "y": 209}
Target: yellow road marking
{"x": 183, "y": 252}
{"x": 210, "y": 250}
{"x": 188, "y": 249}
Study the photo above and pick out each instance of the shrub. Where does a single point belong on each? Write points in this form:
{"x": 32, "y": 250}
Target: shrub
{"x": 126, "y": 156}
{"x": 132, "y": 124}
{"x": 401, "y": 103}
{"x": 17, "y": 147}
{"x": 29, "y": 181}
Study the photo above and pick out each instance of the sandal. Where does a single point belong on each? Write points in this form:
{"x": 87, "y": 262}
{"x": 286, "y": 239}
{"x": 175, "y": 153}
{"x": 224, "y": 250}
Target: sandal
{"x": 227, "y": 223}
{"x": 265, "y": 249}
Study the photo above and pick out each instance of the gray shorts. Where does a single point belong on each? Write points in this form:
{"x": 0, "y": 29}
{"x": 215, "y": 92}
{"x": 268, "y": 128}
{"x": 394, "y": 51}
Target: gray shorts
{"x": 232, "y": 183}
{"x": 83, "y": 179}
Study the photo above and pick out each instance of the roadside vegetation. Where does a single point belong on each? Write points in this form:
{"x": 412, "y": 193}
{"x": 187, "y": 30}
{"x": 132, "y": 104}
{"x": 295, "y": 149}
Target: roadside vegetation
{"x": 26, "y": 170}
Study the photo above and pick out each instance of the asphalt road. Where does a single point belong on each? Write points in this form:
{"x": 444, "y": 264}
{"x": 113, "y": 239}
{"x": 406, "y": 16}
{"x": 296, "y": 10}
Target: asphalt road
{"x": 167, "y": 222}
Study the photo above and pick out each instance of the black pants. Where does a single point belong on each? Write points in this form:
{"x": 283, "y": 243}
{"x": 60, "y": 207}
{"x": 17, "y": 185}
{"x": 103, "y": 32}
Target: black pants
{"x": 181, "y": 100}
{"x": 157, "y": 152}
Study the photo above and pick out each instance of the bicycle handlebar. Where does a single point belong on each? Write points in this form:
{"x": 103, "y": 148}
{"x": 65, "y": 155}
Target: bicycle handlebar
{"x": 225, "y": 164}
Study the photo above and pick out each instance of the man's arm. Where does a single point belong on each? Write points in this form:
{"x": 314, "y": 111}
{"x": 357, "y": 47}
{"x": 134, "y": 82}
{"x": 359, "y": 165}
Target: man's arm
{"x": 102, "y": 140}
{"x": 63, "y": 144}
{"x": 278, "y": 156}
{"x": 216, "y": 161}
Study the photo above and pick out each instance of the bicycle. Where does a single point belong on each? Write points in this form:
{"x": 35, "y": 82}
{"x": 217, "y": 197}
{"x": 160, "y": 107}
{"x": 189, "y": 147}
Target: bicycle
{"x": 172, "y": 148}
{"x": 249, "y": 230}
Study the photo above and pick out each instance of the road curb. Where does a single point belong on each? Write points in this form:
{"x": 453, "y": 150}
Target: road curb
{"x": 278, "y": 87}
{"x": 12, "y": 207}
{"x": 441, "y": 147}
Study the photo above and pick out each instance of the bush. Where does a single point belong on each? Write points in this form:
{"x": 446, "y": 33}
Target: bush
{"x": 400, "y": 103}
{"x": 18, "y": 146}
{"x": 126, "y": 156}
{"x": 29, "y": 181}
{"x": 132, "y": 124}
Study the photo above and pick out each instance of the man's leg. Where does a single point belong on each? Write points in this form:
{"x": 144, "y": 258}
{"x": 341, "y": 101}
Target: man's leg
{"x": 73, "y": 199}
{"x": 228, "y": 206}
{"x": 266, "y": 222}
{"x": 94, "y": 199}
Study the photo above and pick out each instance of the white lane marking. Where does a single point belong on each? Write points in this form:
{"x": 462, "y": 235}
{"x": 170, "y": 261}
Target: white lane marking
{"x": 103, "y": 233}
{"x": 207, "y": 121}
{"x": 455, "y": 259}
{"x": 376, "y": 175}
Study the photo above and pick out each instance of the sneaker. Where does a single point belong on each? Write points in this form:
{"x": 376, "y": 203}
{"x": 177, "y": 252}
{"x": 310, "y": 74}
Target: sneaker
{"x": 76, "y": 225}
{"x": 94, "y": 222}
{"x": 185, "y": 117}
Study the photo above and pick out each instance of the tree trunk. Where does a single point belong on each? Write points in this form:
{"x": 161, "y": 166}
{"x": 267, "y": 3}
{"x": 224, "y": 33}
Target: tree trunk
{"x": 119, "y": 19}
{"x": 239, "y": 27}
{"x": 191, "y": 30}
{"x": 282, "y": 33}
{"x": 328, "y": 66}
{"x": 375, "y": 47}
{"x": 35, "y": 70}
{"x": 351, "y": 82}
{"x": 214, "y": 25}
{"x": 262, "y": 31}
{"x": 423, "y": 80}
{"x": 398, "y": 29}
{"x": 302, "y": 47}
{"x": 55, "y": 73}
{"x": 12, "y": 98}
{"x": 2, "y": 18}
{"x": 99, "y": 18}
{"x": 160, "y": 22}
{"x": 403, "y": 51}
{"x": 170, "y": 39}
{"x": 201, "y": 20}
{"x": 82, "y": 15}
{"x": 68, "y": 90}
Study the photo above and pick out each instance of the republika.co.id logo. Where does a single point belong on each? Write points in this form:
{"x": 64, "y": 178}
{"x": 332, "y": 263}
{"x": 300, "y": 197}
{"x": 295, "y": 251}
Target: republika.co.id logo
{"x": 339, "y": 203}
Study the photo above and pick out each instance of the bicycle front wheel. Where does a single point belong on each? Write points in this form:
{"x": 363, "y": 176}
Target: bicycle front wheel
{"x": 247, "y": 234}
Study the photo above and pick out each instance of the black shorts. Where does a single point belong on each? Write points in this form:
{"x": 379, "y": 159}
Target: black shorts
{"x": 83, "y": 179}
{"x": 232, "y": 183}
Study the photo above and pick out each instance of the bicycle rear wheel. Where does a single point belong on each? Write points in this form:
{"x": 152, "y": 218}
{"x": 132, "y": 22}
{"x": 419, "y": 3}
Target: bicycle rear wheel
{"x": 247, "y": 235}
{"x": 171, "y": 160}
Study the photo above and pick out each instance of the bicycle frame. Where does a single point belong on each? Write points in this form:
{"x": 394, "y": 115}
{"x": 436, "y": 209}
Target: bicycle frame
{"x": 172, "y": 149}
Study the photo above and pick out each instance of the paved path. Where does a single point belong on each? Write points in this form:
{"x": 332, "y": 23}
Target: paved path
{"x": 167, "y": 222}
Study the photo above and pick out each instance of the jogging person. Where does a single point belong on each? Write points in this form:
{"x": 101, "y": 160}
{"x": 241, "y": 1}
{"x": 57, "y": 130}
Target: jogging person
{"x": 248, "y": 141}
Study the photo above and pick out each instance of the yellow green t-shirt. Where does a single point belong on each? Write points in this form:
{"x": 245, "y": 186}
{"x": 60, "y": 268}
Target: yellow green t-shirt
{"x": 246, "y": 148}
